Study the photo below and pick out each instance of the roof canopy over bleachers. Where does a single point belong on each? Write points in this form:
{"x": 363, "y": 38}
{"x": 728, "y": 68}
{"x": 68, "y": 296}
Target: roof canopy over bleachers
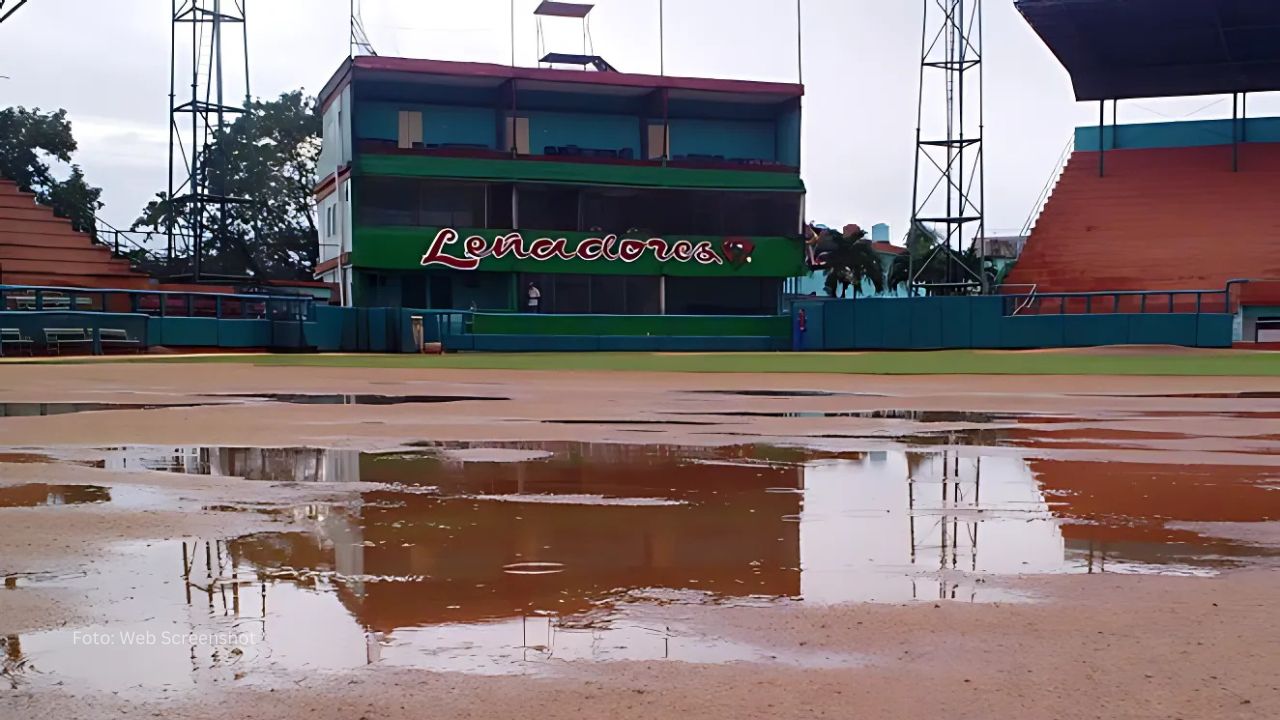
{"x": 1119, "y": 49}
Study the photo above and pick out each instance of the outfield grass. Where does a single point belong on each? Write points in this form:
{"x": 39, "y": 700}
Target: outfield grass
{"x": 953, "y": 362}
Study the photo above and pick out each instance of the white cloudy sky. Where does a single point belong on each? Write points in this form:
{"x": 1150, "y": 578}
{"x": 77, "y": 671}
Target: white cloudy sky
{"x": 107, "y": 63}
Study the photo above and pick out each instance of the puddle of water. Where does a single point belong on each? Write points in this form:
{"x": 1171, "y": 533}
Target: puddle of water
{"x": 42, "y": 495}
{"x": 25, "y": 458}
{"x": 920, "y": 416}
{"x": 23, "y": 409}
{"x": 20, "y": 409}
{"x": 309, "y": 465}
{"x": 628, "y": 422}
{"x": 514, "y": 567}
{"x": 1246, "y": 395}
{"x": 781, "y": 393}
{"x": 360, "y": 399}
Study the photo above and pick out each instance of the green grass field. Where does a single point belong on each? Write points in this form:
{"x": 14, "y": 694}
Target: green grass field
{"x": 955, "y": 362}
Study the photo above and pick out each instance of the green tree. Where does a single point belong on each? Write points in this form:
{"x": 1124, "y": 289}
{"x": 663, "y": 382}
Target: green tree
{"x": 850, "y": 261}
{"x": 937, "y": 265}
{"x": 267, "y": 158}
{"x": 29, "y": 141}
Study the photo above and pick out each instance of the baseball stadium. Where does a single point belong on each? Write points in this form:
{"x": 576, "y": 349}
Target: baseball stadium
{"x": 463, "y": 387}
{"x": 659, "y": 213}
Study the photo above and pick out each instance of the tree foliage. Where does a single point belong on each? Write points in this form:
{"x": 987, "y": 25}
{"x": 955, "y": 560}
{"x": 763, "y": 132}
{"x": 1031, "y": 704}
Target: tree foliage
{"x": 267, "y": 157}
{"x": 29, "y": 141}
{"x": 850, "y": 259}
{"x": 938, "y": 265}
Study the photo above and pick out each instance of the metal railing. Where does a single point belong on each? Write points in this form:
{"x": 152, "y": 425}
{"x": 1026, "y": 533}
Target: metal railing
{"x": 1121, "y": 301}
{"x": 157, "y": 303}
{"x": 1049, "y": 186}
{"x": 1029, "y": 296}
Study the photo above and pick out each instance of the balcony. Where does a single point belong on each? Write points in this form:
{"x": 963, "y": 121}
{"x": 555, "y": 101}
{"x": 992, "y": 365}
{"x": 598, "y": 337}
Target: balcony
{"x": 431, "y": 124}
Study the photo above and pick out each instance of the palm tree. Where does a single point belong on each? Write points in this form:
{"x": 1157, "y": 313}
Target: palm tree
{"x": 850, "y": 261}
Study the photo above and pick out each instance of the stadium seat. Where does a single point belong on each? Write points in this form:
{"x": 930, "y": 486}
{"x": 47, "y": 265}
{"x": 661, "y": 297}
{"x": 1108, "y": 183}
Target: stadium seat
{"x": 1160, "y": 219}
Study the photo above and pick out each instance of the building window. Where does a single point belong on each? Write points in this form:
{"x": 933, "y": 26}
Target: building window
{"x": 549, "y": 207}
{"x": 723, "y": 296}
{"x": 410, "y": 129}
{"x": 658, "y": 141}
{"x": 452, "y": 205}
{"x": 413, "y": 203}
{"x": 517, "y": 135}
{"x": 595, "y": 294}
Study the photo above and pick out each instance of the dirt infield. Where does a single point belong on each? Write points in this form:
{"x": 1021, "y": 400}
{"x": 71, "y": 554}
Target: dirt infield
{"x": 1115, "y": 557}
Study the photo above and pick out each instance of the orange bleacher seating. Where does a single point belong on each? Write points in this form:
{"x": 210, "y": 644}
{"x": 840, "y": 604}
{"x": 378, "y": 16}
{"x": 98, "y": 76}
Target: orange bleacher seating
{"x": 1160, "y": 219}
{"x": 39, "y": 248}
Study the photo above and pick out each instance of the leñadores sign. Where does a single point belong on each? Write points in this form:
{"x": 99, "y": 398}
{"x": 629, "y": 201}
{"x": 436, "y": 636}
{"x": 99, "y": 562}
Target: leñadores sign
{"x": 609, "y": 248}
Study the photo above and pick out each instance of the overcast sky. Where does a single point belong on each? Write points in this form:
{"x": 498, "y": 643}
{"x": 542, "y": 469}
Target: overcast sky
{"x": 107, "y": 63}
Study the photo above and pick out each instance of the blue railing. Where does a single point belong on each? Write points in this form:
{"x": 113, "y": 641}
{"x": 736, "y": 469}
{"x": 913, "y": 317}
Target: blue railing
{"x": 1120, "y": 301}
{"x": 157, "y": 303}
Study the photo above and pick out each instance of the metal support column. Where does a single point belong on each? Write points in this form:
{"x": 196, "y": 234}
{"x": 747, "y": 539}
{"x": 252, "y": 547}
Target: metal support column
{"x": 1102, "y": 138}
{"x": 1235, "y": 132}
{"x": 948, "y": 194}
{"x": 200, "y": 203}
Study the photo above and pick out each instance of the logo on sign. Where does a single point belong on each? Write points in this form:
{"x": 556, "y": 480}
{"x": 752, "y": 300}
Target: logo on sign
{"x": 609, "y": 248}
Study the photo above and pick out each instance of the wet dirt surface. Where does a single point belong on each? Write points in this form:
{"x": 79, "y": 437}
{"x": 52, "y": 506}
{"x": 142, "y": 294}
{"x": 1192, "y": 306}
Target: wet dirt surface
{"x": 840, "y": 544}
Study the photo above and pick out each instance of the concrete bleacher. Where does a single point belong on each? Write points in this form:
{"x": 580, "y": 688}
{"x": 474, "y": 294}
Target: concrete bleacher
{"x": 1164, "y": 218}
{"x": 39, "y": 248}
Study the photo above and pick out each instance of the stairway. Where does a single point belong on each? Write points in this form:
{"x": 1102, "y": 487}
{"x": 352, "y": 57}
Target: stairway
{"x": 39, "y": 248}
{"x": 1161, "y": 219}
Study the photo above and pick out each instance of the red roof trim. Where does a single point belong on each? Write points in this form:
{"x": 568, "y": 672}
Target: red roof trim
{"x": 329, "y": 184}
{"x": 505, "y": 72}
{"x": 331, "y": 263}
{"x": 888, "y": 248}
{"x": 337, "y": 82}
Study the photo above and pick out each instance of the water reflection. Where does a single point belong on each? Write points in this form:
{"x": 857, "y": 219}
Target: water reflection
{"x": 461, "y": 562}
{"x": 24, "y": 409}
{"x": 359, "y": 398}
{"x": 42, "y": 495}
{"x": 310, "y": 465}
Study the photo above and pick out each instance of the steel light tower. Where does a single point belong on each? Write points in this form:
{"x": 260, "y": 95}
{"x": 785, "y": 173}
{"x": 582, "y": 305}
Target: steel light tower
{"x": 198, "y": 200}
{"x": 4, "y": 14}
{"x": 948, "y": 198}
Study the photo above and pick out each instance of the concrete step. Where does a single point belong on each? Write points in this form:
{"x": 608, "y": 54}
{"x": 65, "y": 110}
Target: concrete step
{"x": 93, "y": 253}
{"x": 78, "y": 281}
{"x": 17, "y": 201}
{"x": 103, "y": 267}
{"x": 45, "y": 226}
{"x": 50, "y": 236}
{"x": 31, "y": 212}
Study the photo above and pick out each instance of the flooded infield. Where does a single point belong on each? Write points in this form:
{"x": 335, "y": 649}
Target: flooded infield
{"x": 41, "y": 495}
{"x": 517, "y": 557}
{"x": 43, "y": 409}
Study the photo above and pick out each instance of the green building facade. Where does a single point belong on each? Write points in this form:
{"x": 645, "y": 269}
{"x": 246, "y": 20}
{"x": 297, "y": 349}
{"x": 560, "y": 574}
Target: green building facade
{"x": 461, "y": 186}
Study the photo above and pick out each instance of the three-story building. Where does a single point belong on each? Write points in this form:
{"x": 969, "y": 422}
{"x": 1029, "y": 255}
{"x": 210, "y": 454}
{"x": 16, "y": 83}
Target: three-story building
{"x": 453, "y": 185}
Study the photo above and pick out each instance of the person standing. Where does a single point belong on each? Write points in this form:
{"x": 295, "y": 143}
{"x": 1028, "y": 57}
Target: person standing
{"x": 535, "y": 298}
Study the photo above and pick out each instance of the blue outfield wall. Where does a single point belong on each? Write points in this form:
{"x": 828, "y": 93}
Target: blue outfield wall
{"x": 210, "y": 332}
{"x": 862, "y": 324}
{"x": 980, "y": 323}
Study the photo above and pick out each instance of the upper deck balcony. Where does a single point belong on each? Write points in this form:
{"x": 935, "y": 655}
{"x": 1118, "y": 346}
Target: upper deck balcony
{"x": 429, "y": 118}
